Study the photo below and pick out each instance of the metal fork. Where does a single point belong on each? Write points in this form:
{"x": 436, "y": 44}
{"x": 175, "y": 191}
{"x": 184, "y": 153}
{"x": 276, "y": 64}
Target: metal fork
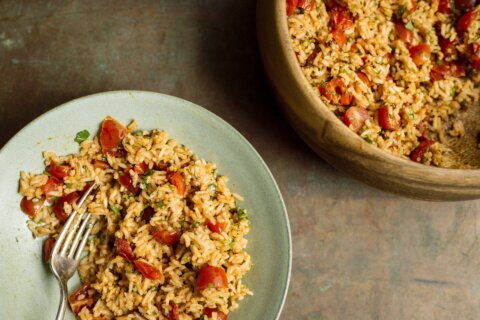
{"x": 68, "y": 248}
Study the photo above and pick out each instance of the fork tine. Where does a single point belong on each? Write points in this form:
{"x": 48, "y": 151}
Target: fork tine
{"x": 71, "y": 233}
{"x": 71, "y": 218}
{"x": 84, "y": 240}
{"x": 78, "y": 237}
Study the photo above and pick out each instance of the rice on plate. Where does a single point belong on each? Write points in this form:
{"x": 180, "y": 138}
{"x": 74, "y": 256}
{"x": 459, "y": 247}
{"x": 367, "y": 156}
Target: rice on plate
{"x": 399, "y": 73}
{"x": 169, "y": 239}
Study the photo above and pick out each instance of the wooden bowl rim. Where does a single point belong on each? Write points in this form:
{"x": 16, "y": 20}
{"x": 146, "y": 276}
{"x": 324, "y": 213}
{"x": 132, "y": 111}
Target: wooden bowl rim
{"x": 287, "y": 51}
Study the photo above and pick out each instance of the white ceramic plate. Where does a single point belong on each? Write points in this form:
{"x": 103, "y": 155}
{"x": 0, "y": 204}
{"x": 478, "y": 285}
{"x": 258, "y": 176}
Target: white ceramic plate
{"x": 28, "y": 289}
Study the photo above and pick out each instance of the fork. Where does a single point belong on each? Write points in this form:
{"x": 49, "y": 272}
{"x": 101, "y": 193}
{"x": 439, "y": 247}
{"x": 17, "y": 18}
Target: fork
{"x": 68, "y": 248}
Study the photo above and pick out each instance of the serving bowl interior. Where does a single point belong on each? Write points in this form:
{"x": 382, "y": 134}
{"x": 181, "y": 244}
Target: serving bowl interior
{"x": 29, "y": 290}
{"x": 335, "y": 142}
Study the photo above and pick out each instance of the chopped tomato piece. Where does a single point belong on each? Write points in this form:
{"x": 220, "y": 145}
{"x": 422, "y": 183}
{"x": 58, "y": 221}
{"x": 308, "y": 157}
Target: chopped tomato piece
{"x": 126, "y": 180}
{"x": 148, "y": 214}
{"x": 111, "y": 134}
{"x": 30, "y": 207}
{"x": 291, "y": 6}
{"x": 340, "y": 18}
{"x": 211, "y": 277}
{"x": 336, "y": 91}
{"x": 57, "y": 170}
{"x": 312, "y": 56}
{"x": 444, "y": 6}
{"x": 475, "y": 57}
{"x": 404, "y": 34}
{"x": 169, "y": 238}
{"x": 100, "y": 164}
{"x": 439, "y": 71}
{"x": 216, "y": 226}
{"x": 355, "y": 117}
{"x": 148, "y": 270}
{"x": 174, "y": 314}
{"x": 47, "y": 249}
{"x": 220, "y": 315}
{"x": 82, "y": 297}
{"x": 364, "y": 78}
{"x": 420, "y": 53}
{"x": 176, "y": 179}
{"x": 118, "y": 153}
{"x": 306, "y": 4}
{"x": 448, "y": 47}
{"x": 418, "y": 153}
{"x": 385, "y": 119}
{"x": 70, "y": 198}
{"x": 140, "y": 168}
{"x": 339, "y": 37}
{"x": 123, "y": 249}
{"x": 465, "y": 21}
{"x": 52, "y": 184}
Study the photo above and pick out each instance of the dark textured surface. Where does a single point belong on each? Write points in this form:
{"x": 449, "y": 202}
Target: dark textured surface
{"x": 358, "y": 253}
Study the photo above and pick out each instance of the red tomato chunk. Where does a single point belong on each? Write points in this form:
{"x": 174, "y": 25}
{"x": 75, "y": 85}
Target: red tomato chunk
{"x": 211, "y": 277}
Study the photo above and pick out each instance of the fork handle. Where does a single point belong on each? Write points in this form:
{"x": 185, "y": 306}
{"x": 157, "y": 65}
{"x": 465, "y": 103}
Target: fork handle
{"x": 63, "y": 300}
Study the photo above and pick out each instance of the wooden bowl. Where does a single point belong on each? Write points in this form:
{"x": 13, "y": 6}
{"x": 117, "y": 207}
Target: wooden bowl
{"x": 336, "y": 143}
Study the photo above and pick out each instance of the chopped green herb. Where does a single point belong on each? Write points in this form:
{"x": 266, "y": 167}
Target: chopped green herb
{"x": 453, "y": 92}
{"x": 401, "y": 11}
{"x": 411, "y": 115}
{"x": 241, "y": 214}
{"x": 172, "y": 187}
{"x": 143, "y": 183}
{"x": 137, "y": 133}
{"x": 160, "y": 204}
{"x": 68, "y": 185}
{"x": 155, "y": 288}
{"x": 82, "y": 136}
{"x": 323, "y": 84}
{"x": 54, "y": 200}
{"x": 391, "y": 47}
{"x": 464, "y": 104}
{"x": 367, "y": 139}
{"x": 116, "y": 210}
{"x": 210, "y": 285}
{"x": 212, "y": 187}
{"x": 409, "y": 25}
{"x": 452, "y": 6}
{"x": 195, "y": 224}
{"x": 147, "y": 173}
{"x": 40, "y": 221}
{"x": 376, "y": 71}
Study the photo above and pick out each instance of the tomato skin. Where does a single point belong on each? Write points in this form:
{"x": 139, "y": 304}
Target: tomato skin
{"x": 58, "y": 171}
{"x": 364, "y": 78}
{"x": 404, "y": 34}
{"x": 220, "y": 315}
{"x": 414, "y": 5}
{"x": 210, "y": 276}
{"x": 465, "y": 21}
{"x": 475, "y": 55}
{"x": 444, "y": 6}
{"x": 384, "y": 119}
{"x": 160, "y": 166}
{"x": 340, "y": 18}
{"x": 47, "y": 249}
{"x": 147, "y": 270}
{"x": 126, "y": 180}
{"x": 306, "y": 4}
{"x": 355, "y": 117}
{"x": 58, "y": 208}
{"x": 176, "y": 178}
{"x": 140, "y": 168}
{"x": 291, "y": 6}
{"x": 216, "y": 226}
{"x": 111, "y": 134}
{"x": 123, "y": 249}
{"x": 448, "y": 47}
{"x": 169, "y": 238}
{"x": 52, "y": 184}
{"x": 336, "y": 92}
{"x": 174, "y": 314}
{"x": 339, "y": 37}
{"x": 420, "y": 53}
{"x": 30, "y": 207}
{"x": 439, "y": 71}
{"x": 419, "y": 152}
{"x": 82, "y": 297}
{"x": 100, "y": 164}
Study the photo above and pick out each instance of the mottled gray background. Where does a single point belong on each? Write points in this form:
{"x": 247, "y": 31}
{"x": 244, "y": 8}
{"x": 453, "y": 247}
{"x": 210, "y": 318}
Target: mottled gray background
{"x": 359, "y": 253}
